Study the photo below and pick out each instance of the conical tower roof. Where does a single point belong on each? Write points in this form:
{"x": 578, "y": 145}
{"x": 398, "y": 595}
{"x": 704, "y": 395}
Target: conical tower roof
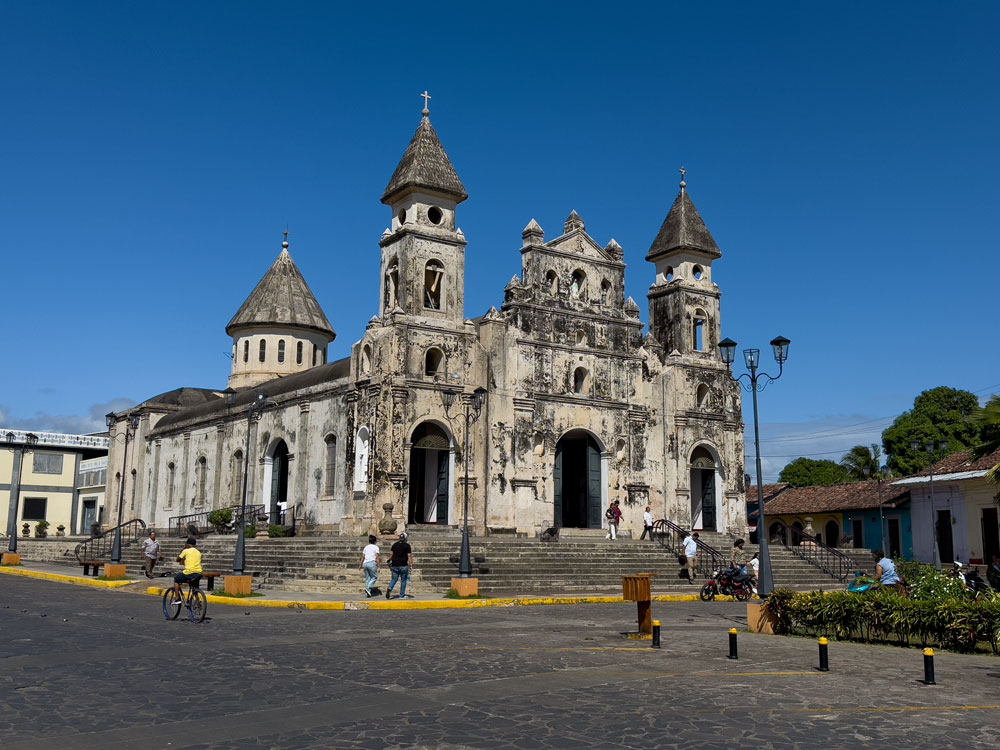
{"x": 683, "y": 229}
{"x": 425, "y": 165}
{"x": 282, "y": 298}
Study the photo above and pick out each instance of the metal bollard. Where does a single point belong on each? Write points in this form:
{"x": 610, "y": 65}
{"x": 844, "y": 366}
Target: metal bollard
{"x": 824, "y": 659}
{"x": 656, "y": 633}
{"x": 733, "y": 654}
{"x": 929, "y": 666}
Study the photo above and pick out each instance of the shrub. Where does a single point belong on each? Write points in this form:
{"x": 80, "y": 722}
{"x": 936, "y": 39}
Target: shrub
{"x": 221, "y": 518}
{"x": 249, "y": 531}
{"x": 275, "y": 531}
{"x": 777, "y": 605}
{"x": 41, "y": 529}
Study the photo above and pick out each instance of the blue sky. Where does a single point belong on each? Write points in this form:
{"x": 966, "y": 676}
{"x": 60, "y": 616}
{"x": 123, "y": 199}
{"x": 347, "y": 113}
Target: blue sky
{"x": 844, "y": 155}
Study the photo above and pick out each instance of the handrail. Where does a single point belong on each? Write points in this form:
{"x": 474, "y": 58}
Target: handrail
{"x": 181, "y": 525}
{"x": 828, "y": 559}
{"x": 671, "y": 538}
{"x": 99, "y": 547}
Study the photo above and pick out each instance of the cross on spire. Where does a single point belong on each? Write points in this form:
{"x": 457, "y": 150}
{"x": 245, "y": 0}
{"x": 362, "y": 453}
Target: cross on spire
{"x": 427, "y": 97}
{"x": 683, "y": 175}
{"x": 285, "y": 243}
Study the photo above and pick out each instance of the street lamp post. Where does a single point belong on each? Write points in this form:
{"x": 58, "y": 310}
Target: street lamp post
{"x": 473, "y": 408}
{"x": 765, "y": 583}
{"x": 131, "y": 425}
{"x": 930, "y": 449}
{"x": 256, "y": 407}
{"x": 30, "y": 440}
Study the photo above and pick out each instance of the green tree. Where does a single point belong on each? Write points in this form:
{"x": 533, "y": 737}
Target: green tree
{"x": 988, "y": 419}
{"x": 808, "y": 472}
{"x": 863, "y": 461}
{"x": 939, "y": 415}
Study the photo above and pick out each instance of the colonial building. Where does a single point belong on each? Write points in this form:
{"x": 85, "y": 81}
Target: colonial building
{"x": 567, "y": 404}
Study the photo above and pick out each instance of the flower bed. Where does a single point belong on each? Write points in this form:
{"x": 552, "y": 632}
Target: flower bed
{"x": 937, "y": 614}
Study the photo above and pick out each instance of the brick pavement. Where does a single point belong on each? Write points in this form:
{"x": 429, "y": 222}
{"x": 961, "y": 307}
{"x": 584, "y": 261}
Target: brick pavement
{"x": 99, "y": 669}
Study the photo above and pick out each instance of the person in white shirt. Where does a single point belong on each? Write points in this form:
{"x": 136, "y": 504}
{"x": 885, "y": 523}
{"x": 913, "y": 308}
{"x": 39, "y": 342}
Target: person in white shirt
{"x": 647, "y": 524}
{"x": 755, "y": 564}
{"x": 691, "y": 553}
{"x": 371, "y": 558}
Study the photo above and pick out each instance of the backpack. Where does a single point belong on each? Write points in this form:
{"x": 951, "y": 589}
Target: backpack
{"x": 609, "y": 514}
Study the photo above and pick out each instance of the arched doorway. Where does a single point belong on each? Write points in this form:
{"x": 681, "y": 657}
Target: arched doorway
{"x": 279, "y": 483}
{"x": 580, "y": 482}
{"x": 431, "y": 463}
{"x": 777, "y": 533}
{"x": 796, "y": 538}
{"x": 832, "y": 533}
{"x": 704, "y": 500}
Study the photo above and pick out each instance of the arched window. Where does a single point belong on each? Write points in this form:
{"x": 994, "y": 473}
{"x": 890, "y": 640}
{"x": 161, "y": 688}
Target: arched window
{"x": 132, "y": 493}
{"x": 281, "y": 350}
{"x": 298, "y": 353}
{"x": 433, "y": 281}
{"x": 605, "y": 292}
{"x": 702, "y": 396}
{"x": 433, "y": 362}
{"x": 697, "y": 271}
{"x": 578, "y": 286}
{"x": 391, "y": 297}
{"x": 236, "y": 472}
{"x": 538, "y": 443}
{"x": 246, "y": 350}
{"x": 581, "y": 380}
{"x": 331, "y": 464}
{"x": 322, "y": 354}
{"x": 263, "y": 350}
{"x": 201, "y": 473}
{"x": 581, "y": 338}
{"x": 698, "y": 331}
{"x": 552, "y": 283}
{"x": 366, "y": 360}
{"x": 315, "y": 354}
{"x": 361, "y": 460}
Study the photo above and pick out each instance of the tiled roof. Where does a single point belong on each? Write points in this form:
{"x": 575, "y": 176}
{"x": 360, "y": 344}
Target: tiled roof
{"x": 836, "y": 497}
{"x": 683, "y": 229}
{"x": 961, "y": 461}
{"x": 425, "y": 165}
{"x": 282, "y": 298}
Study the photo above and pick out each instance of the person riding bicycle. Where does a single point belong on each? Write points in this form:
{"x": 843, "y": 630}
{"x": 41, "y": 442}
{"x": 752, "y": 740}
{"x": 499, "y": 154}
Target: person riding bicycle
{"x": 885, "y": 570}
{"x": 191, "y": 557}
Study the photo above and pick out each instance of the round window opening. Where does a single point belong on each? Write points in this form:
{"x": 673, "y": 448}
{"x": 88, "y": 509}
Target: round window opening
{"x": 698, "y": 273}
{"x": 668, "y": 273}
{"x": 402, "y": 216}
{"x": 435, "y": 215}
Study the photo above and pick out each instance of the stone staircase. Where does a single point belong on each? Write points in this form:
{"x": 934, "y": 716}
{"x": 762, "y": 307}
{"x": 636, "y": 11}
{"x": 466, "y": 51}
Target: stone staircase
{"x": 577, "y": 563}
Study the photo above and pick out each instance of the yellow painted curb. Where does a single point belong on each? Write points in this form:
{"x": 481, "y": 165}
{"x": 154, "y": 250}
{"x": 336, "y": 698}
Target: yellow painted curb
{"x": 78, "y": 580}
{"x": 379, "y": 603}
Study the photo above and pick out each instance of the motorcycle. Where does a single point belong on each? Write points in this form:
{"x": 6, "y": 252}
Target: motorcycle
{"x": 729, "y": 582}
{"x": 972, "y": 582}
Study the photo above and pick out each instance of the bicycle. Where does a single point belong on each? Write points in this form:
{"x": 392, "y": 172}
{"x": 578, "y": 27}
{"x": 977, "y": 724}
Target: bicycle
{"x": 195, "y": 601}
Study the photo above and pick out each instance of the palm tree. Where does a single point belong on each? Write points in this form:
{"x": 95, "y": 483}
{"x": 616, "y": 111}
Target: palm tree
{"x": 863, "y": 461}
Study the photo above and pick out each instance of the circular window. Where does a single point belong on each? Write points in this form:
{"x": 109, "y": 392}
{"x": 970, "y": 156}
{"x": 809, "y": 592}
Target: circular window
{"x": 668, "y": 274}
{"x": 402, "y": 216}
{"x": 435, "y": 215}
{"x": 698, "y": 273}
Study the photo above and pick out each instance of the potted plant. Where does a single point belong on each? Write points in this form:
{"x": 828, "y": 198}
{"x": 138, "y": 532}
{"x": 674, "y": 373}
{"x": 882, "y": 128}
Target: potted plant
{"x": 221, "y": 519}
{"x": 41, "y": 529}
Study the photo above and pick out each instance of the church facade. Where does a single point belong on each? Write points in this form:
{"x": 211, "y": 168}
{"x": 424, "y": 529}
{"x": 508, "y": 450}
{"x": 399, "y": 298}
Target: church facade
{"x": 563, "y": 401}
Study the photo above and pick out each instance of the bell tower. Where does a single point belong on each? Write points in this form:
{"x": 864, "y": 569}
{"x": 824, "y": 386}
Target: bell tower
{"x": 423, "y": 252}
{"x": 683, "y": 300}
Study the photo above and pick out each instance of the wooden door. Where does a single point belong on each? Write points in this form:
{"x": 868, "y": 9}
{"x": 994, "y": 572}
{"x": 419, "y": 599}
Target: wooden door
{"x": 946, "y": 546}
{"x": 708, "y": 499}
{"x": 895, "y": 540}
{"x": 991, "y": 534}
{"x": 557, "y": 493}
{"x": 442, "y": 487}
{"x": 594, "y": 499}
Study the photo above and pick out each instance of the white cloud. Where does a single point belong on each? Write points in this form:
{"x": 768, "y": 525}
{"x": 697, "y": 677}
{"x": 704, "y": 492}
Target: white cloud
{"x": 74, "y": 424}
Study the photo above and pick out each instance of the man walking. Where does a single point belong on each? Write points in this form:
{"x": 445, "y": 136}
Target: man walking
{"x": 400, "y": 563}
{"x": 691, "y": 553}
{"x": 151, "y": 553}
{"x": 647, "y": 524}
{"x": 371, "y": 557}
{"x": 614, "y": 515}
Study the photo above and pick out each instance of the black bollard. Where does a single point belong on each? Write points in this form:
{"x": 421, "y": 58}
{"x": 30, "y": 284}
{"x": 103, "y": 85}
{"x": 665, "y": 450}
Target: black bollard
{"x": 733, "y": 654}
{"x": 929, "y": 666}
{"x": 824, "y": 659}
{"x": 656, "y": 633}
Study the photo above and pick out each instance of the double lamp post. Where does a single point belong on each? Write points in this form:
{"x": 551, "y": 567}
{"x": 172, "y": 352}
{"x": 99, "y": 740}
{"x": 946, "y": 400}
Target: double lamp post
{"x": 473, "y": 408}
{"x": 257, "y": 406}
{"x": 765, "y": 582}
{"x": 131, "y": 425}
{"x": 30, "y": 440}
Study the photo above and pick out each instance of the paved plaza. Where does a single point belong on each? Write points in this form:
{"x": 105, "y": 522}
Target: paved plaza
{"x": 90, "y": 668}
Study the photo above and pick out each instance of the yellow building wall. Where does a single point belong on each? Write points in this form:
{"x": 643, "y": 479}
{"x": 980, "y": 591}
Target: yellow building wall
{"x": 59, "y": 501}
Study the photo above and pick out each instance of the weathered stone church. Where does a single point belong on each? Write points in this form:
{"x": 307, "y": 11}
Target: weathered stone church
{"x": 569, "y": 405}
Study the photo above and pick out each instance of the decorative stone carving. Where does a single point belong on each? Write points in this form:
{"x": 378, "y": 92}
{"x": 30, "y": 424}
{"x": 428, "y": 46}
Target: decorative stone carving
{"x": 388, "y": 524}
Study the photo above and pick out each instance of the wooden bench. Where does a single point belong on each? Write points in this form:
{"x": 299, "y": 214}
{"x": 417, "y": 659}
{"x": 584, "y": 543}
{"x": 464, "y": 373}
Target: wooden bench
{"x": 87, "y": 564}
{"x": 210, "y": 577}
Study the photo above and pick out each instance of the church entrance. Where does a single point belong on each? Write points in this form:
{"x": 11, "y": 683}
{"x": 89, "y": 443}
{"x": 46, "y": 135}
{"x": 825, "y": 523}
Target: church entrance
{"x": 279, "y": 484}
{"x": 431, "y": 463}
{"x": 704, "y": 500}
{"x": 580, "y": 491}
